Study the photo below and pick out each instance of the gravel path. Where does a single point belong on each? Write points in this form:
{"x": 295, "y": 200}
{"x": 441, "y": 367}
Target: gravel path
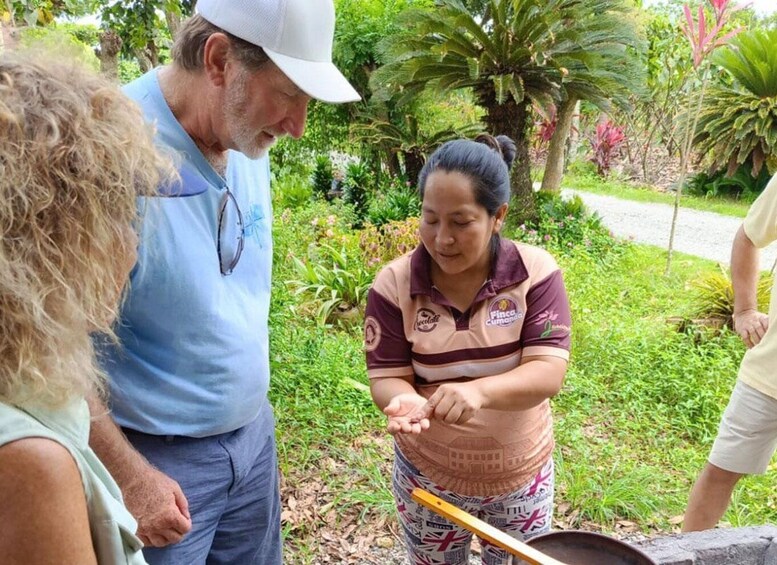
{"x": 703, "y": 234}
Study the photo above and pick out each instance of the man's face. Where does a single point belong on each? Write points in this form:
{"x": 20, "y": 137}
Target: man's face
{"x": 261, "y": 106}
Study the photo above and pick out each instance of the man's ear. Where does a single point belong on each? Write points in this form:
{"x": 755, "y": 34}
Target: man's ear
{"x": 215, "y": 55}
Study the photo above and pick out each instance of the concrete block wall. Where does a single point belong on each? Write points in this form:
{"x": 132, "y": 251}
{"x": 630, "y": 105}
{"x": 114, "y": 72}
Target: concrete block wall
{"x": 725, "y": 546}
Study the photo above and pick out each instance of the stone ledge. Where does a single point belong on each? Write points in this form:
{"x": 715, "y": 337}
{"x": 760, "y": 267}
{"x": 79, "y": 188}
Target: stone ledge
{"x": 726, "y": 546}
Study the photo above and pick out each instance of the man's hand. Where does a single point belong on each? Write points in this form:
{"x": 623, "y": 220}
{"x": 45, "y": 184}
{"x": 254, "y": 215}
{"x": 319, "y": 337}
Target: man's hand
{"x": 159, "y": 505}
{"x": 751, "y": 325}
{"x": 453, "y": 403}
{"x": 399, "y": 411}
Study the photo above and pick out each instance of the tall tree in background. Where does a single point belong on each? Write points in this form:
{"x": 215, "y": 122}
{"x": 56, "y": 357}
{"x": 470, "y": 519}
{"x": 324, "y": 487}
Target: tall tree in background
{"x": 506, "y": 51}
{"x": 146, "y": 27}
{"x": 602, "y": 66}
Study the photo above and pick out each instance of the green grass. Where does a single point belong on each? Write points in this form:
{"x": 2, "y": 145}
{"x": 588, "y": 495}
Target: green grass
{"x": 634, "y": 422}
{"x": 628, "y": 191}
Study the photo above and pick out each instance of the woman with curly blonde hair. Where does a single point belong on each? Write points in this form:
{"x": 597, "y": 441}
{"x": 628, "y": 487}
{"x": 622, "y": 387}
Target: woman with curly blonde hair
{"x": 74, "y": 156}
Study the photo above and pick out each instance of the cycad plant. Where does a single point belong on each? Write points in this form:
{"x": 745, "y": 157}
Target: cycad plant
{"x": 738, "y": 122}
{"x": 506, "y": 51}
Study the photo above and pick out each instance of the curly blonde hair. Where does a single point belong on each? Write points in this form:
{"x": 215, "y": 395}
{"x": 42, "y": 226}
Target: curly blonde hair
{"x": 74, "y": 156}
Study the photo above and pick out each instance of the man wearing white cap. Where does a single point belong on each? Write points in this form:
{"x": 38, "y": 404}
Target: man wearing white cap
{"x": 190, "y": 438}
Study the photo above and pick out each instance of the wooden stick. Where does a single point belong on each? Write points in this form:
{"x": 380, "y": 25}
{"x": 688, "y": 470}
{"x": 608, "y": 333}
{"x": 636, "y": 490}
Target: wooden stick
{"x": 482, "y": 529}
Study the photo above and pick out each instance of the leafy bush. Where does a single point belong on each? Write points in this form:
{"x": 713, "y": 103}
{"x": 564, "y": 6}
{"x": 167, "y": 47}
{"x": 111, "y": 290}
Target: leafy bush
{"x": 291, "y": 191}
{"x": 742, "y": 184}
{"x": 714, "y": 295}
{"x": 381, "y": 245}
{"x": 291, "y": 157}
{"x": 357, "y": 187}
{"x": 395, "y": 203}
{"x": 565, "y": 225}
{"x": 322, "y": 176}
{"x": 300, "y": 228}
{"x": 336, "y": 279}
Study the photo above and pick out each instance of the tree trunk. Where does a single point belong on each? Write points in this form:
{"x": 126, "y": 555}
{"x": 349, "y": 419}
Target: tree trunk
{"x": 143, "y": 60}
{"x": 173, "y": 20}
{"x": 414, "y": 162}
{"x": 110, "y": 47}
{"x": 512, "y": 119}
{"x": 573, "y": 141}
{"x": 554, "y": 165}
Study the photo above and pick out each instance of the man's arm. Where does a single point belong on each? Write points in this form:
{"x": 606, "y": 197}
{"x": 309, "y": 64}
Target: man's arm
{"x": 154, "y": 499}
{"x": 749, "y": 323}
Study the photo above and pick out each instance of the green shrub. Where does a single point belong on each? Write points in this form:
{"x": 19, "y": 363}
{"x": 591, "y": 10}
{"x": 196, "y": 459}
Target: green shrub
{"x": 565, "y": 225}
{"x": 298, "y": 229}
{"x": 737, "y": 123}
{"x": 396, "y": 202}
{"x": 291, "y": 191}
{"x": 357, "y": 187}
{"x": 742, "y": 184}
{"x": 322, "y": 176}
{"x": 336, "y": 280}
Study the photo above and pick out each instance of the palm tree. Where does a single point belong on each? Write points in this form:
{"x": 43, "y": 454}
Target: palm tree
{"x": 506, "y": 51}
{"x": 602, "y": 67}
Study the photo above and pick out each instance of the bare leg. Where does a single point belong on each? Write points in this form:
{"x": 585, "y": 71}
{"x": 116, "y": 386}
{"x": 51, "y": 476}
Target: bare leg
{"x": 709, "y": 498}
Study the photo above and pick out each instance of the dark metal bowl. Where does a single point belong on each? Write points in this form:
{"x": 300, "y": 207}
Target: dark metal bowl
{"x": 576, "y": 547}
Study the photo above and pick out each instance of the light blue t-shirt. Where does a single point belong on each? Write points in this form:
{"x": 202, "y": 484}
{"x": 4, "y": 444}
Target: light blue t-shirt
{"x": 193, "y": 359}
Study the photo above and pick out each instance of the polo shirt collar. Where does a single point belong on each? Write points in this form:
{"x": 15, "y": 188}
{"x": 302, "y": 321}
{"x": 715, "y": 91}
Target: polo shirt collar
{"x": 508, "y": 270}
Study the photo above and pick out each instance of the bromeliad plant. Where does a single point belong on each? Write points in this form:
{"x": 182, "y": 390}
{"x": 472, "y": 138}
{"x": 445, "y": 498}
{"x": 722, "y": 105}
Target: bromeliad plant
{"x": 714, "y": 296}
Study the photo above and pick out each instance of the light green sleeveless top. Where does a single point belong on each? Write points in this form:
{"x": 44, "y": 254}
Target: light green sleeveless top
{"x": 112, "y": 526}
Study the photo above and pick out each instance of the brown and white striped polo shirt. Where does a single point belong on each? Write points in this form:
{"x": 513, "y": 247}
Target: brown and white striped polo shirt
{"x": 412, "y": 329}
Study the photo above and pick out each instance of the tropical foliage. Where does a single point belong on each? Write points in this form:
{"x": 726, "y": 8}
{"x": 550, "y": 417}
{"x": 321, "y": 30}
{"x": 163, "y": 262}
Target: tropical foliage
{"x": 738, "y": 122}
{"x": 602, "y": 69}
{"x": 511, "y": 53}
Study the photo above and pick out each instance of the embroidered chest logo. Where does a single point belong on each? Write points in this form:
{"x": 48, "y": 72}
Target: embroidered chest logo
{"x": 503, "y": 312}
{"x": 371, "y": 334}
{"x": 426, "y": 320}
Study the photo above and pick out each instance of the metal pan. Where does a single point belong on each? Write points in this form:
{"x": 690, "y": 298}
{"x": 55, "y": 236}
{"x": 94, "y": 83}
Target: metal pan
{"x": 588, "y": 548}
{"x": 556, "y": 548}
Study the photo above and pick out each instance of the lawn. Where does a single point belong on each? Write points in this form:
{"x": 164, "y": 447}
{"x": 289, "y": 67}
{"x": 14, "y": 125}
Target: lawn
{"x": 631, "y": 191}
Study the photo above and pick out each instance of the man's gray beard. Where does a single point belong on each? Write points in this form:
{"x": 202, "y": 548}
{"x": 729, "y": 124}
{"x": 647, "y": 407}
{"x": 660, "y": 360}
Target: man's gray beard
{"x": 235, "y": 104}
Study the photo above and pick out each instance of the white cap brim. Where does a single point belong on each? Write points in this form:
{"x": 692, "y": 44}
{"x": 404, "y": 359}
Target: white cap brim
{"x": 318, "y": 79}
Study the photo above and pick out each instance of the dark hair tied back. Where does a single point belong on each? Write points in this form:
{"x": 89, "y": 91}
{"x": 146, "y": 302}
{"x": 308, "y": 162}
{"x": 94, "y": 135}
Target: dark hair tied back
{"x": 501, "y": 144}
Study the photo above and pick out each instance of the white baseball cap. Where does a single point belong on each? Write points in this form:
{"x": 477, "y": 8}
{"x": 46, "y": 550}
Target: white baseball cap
{"x": 296, "y": 35}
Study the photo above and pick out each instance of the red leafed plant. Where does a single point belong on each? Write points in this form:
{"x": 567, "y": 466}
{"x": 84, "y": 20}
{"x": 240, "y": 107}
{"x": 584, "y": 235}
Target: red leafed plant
{"x": 606, "y": 144}
{"x": 704, "y": 41}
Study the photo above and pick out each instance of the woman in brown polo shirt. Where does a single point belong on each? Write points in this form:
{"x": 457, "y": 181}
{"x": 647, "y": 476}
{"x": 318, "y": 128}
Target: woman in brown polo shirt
{"x": 467, "y": 338}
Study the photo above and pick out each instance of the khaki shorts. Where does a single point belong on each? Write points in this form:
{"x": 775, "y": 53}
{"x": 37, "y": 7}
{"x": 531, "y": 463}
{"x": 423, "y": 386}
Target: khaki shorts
{"x": 747, "y": 436}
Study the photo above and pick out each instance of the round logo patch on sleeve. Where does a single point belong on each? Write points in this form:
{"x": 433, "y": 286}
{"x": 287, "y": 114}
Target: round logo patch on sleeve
{"x": 371, "y": 334}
